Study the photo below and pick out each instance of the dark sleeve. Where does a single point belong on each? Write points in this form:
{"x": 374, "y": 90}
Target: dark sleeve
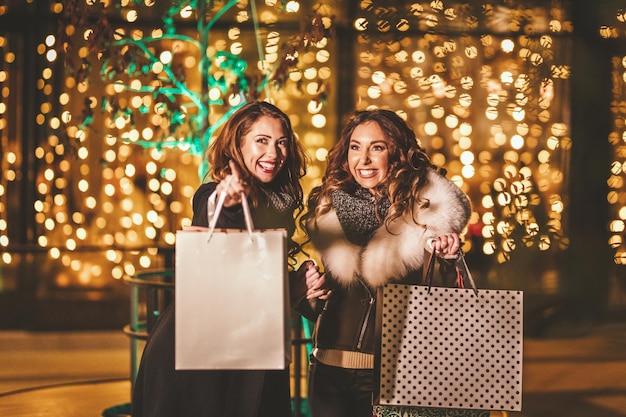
{"x": 297, "y": 295}
{"x": 200, "y": 202}
{"x": 230, "y": 217}
{"x": 309, "y": 309}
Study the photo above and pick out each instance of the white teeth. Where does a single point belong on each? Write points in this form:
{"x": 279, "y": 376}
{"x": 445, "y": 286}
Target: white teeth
{"x": 366, "y": 172}
{"x": 266, "y": 165}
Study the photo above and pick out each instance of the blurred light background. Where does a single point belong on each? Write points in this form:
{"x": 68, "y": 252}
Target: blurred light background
{"x": 107, "y": 109}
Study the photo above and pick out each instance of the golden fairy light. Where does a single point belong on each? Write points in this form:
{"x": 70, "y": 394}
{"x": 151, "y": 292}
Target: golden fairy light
{"x": 617, "y": 137}
{"x": 489, "y": 122}
{"x": 118, "y": 169}
{"x": 484, "y": 100}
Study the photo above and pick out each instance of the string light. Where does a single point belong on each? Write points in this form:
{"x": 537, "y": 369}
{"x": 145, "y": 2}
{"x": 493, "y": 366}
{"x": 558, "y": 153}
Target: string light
{"x": 123, "y": 157}
{"x": 477, "y": 101}
{"x": 616, "y": 196}
{"x": 487, "y": 121}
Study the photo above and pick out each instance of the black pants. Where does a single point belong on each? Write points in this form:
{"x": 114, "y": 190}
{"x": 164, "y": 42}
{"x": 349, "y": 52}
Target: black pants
{"x": 162, "y": 391}
{"x": 340, "y": 392}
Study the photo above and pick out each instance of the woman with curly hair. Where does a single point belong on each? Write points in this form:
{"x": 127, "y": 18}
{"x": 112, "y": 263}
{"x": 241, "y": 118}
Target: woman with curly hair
{"x": 381, "y": 205}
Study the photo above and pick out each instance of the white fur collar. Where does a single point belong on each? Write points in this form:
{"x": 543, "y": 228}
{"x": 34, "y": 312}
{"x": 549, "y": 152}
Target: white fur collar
{"x": 394, "y": 252}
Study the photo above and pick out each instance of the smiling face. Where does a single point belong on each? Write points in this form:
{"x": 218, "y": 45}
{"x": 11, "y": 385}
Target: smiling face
{"x": 368, "y": 155}
{"x": 264, "y": 148}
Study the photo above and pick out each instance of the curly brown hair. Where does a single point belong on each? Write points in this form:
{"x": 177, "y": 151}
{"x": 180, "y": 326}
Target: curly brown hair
{"x": 405, "y": 178}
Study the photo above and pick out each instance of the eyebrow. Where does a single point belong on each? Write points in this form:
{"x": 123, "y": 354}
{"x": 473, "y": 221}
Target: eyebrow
{"x": 265, "y": 135}
{"x": 374, "y": 142}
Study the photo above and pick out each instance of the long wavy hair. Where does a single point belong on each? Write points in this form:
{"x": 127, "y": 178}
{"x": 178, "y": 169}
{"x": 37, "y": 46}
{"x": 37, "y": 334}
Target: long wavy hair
{"x": 406, "y": 175}
{"x": 227, "y": 147}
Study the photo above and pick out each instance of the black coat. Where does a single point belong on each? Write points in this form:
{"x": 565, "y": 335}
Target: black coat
{"x": 162, "y": 391}
{"x": 395, "y": 253}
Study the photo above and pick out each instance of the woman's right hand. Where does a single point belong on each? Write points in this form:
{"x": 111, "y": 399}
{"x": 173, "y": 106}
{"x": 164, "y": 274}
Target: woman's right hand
{"x": 316, "y": 283}
{"x": 233, "y": 186}
{"x": 446, "y": 245}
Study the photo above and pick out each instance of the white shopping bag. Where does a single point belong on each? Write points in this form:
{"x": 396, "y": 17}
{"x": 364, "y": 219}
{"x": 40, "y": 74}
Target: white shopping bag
{"x": 232, "y": 304}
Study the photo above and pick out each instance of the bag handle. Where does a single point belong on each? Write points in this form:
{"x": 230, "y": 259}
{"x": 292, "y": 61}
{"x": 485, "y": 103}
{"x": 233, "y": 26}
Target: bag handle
{"x": 218, "y": 210}
{"x": 463, "y": 274}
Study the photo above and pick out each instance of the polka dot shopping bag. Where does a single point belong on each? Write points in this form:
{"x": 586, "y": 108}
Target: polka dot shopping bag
{"x": 449, "y": 348}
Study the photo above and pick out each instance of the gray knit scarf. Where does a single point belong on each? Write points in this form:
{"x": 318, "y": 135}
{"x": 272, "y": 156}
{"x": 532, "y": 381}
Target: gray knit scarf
{"x": 357, "y": 213}
{"x": 279, "y": 201}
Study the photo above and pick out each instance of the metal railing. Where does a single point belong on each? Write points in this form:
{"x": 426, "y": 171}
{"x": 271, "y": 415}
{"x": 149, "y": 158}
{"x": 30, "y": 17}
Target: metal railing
{"x": 158, "y": 287}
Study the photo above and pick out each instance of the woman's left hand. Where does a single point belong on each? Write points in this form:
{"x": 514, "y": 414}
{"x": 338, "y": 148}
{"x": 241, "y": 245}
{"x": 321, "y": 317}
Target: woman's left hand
{"x": 446, "y": 246}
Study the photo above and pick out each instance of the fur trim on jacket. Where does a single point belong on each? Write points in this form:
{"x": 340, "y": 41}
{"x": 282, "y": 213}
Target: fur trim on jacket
{"x": 393, "y": 252}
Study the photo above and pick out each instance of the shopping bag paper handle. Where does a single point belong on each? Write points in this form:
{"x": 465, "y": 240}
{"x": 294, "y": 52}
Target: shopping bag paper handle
{"x": 218, "y": 207}
{"x": 220, "y": 204}
{"x": 246, "y": 214}
{"x": 463, "y": 273}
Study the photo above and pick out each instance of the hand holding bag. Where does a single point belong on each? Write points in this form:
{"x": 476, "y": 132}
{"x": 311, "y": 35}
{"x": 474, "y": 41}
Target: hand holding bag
{"x": 232, "y": 305}
{"x": 448, "y": 348}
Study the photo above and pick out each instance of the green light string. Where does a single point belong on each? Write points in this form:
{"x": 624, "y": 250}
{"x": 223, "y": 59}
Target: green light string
{"x": 180, "y": 87}
{"x": 192, "y": 143}
{"x": 257, "y": 32}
